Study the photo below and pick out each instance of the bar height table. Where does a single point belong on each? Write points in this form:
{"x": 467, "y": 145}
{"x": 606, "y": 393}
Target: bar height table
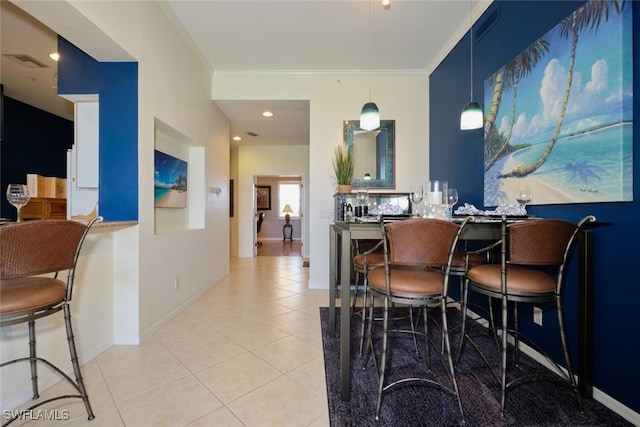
{"x": 340, "y": 235}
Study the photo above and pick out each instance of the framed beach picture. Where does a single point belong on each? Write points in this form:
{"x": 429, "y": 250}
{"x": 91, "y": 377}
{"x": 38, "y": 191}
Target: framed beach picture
{"x": 559, "y": 115}
{"x": 263, "y": 197}
{"x": 170, "y": 181}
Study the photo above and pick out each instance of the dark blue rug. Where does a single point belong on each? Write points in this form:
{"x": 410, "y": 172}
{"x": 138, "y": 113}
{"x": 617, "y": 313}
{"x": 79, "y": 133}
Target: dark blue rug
{"x": 530, "y": 404}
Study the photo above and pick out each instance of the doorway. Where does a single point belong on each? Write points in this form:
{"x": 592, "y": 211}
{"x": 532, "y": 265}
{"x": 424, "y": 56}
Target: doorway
{"x": 280, "y": 200}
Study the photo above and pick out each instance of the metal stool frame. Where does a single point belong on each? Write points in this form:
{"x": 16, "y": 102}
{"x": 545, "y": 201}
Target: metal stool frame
{"x": 416, "y": 251}
{"x": 34, "y": 248}
{"x": 534, "y": 254}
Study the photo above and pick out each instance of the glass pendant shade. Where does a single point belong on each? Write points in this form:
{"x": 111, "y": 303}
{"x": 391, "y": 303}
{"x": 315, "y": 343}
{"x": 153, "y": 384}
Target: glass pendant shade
{"x": 471, "y": 117}
{"x": 370, "y": 117}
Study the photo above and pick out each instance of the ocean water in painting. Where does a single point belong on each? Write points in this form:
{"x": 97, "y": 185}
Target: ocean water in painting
{"x": 160, "y": 193}
{"x": 574, "y": 86}
{"x": 170, "y": 182}
{"x": 589, "y": 167}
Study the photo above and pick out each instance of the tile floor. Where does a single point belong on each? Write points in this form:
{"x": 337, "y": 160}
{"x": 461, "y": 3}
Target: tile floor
{"x": 247, "y": 353}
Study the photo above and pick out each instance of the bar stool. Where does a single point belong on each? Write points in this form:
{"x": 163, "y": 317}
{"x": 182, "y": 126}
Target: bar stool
{"x": 531, "y": 271}
{"x": 363, "y": 262}
{"x": 418, "y": 254}
{"x": 27, "y": 251}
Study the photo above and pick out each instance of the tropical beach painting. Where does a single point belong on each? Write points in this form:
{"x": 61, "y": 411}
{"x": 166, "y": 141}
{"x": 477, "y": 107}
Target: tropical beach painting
{"x": 559, "y": 115}
{"x": 170, "y": 181}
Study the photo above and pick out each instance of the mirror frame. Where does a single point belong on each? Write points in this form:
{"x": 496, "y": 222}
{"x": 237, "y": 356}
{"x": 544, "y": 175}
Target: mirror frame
{"x": 389, "y": 128}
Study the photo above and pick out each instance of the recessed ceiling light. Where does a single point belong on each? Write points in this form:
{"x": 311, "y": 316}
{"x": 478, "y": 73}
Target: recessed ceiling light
{"x": 237, "y": 138}
{"x": 267, "y": 114}
{"x": 55, "y": 56}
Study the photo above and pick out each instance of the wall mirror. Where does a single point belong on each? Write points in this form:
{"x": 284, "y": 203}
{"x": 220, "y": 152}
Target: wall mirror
{"x": 373, "y": 152}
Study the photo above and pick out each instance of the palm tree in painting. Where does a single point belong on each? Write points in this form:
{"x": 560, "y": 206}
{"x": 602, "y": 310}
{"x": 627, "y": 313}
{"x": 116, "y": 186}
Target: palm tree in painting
{"x": 507, "y": 78}
{"x": 588, "y": 15}
{"x": 180, "y": 184}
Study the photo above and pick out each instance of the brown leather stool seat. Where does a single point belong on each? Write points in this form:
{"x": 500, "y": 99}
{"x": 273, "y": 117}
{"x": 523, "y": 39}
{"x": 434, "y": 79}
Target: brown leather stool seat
{"x": 458, "y": 262}
{"x": 28, "y": 251}
{"x": 29, "y": 293}
{"x": 373, "y": 260}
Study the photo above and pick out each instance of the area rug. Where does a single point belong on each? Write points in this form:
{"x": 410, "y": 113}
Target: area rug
{"x": 530, "y": 404}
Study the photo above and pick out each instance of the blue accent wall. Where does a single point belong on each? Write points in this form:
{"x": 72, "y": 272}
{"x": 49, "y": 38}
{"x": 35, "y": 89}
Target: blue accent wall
{"x": 116, "y": 83}
{"x": 458, "y": 155}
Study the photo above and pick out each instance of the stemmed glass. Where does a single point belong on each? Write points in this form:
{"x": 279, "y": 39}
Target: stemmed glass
{"x": 452, "y": 198}
{"x": 363, "y": 198}
{"x": 417, "y": 194}
{"x": 18, "y": 196}
{"x": 524, "y": 195}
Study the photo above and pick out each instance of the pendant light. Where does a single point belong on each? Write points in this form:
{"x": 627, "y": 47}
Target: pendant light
{"x": 370, "y": 115}
{"x": 471, "y": 116}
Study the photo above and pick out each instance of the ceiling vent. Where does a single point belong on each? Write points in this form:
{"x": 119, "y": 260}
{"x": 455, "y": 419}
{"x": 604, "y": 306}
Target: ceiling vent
{"x": 25, "y": 60}
{"x": 252, "y": 134}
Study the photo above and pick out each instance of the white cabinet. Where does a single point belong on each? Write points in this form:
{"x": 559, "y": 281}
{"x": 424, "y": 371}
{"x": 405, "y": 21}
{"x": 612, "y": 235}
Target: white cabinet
{"x": 83, "y": 175}
{"x": 87, "y": 144}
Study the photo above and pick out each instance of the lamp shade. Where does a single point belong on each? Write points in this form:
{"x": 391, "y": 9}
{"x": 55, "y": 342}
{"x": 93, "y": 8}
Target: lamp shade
{"x": 367, "y": 176}
{"x": 471, "y": 116}
{"x": 370, "y": 116}
{"x": 287, "y": 208}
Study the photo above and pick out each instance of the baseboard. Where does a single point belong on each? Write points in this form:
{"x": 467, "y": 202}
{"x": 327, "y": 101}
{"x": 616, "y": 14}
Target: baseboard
{"x": 51, "y": 378}
{"x": 600, "y": 396}
{"x": 147, "y": 333}
{"x": 617, "y": 407}
{"x": 277, "y": 239}
{"x": 48, "y": 381}
{"x": 321, "y": 286}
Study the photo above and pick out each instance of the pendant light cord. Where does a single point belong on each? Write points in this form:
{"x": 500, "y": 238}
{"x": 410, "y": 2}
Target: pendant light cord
{"x": 471, "y": 43}
{"x": 370, "y": 51}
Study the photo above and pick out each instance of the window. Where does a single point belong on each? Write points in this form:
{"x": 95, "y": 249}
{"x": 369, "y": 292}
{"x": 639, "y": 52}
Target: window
{"x": 289, "y": 193}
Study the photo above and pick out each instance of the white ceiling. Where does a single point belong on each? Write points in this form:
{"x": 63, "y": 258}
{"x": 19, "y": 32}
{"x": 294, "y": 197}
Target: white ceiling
{"x": 322, "y": 34}
{"x": 20, "y": 33}
{"x": 265, "y": 35}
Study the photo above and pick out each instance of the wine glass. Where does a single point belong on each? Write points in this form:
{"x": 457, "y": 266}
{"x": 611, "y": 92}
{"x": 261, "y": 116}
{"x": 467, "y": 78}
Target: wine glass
{"x": 452, "y": 198}
{"x": 18, "y": 196}
{"x": 363, "y": 196}
{"x": 363, "y": 199}
{"x": 524, "y": 195}
{"x": 417, "y": 194}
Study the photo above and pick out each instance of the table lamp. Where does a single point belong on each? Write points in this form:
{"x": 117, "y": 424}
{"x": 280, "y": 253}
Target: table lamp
{"x": 287, "y": 210}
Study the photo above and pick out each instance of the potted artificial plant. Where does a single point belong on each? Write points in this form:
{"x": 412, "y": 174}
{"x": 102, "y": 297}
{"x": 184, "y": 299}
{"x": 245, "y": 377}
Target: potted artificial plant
{"x": 343, "y": 167}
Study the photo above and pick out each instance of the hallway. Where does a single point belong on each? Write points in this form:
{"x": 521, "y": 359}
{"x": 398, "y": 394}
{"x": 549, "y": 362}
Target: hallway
{"x": 247, "y": 353}
{"x": 280, "y": 248}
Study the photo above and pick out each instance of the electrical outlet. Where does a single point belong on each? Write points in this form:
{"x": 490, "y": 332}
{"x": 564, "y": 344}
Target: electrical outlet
{"x": 176, "y": 283}
{"x": 537, "y": 316}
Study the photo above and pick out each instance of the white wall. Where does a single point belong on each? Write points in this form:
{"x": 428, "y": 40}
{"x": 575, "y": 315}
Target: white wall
{"x": 273, "y": 160}
{"x": 333, "y": 99}
{"x": 174, "y": 87}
